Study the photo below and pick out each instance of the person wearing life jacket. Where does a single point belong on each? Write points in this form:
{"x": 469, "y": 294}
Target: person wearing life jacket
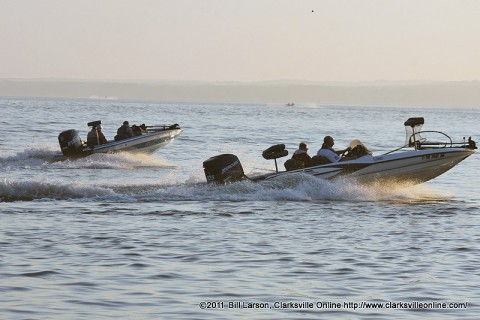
{"x": 124, "y": 132}
{"x": 302, "y": 155}
{"x": 328, "y": 152}
{"x": 95, "y": 136}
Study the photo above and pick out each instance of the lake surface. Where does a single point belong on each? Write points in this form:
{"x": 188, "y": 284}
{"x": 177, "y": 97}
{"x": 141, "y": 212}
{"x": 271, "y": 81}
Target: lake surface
{"x": 144, "y": 237}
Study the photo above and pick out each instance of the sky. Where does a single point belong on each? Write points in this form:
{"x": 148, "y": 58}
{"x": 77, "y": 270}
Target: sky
{"x": 241, "y": 40}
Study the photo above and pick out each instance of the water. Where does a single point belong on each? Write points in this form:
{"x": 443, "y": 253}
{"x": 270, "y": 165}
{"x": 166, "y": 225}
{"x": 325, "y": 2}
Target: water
{"x": 143, "y": 237}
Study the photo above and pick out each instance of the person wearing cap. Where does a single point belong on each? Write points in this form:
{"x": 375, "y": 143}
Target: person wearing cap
{"x": 124, "y": 131}
{"x": 302, "y": 155}
{"x": 96, "y": 136}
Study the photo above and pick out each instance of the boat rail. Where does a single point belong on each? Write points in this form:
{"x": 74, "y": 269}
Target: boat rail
{"x": 422, "y": 143}
{"x": 161, "y": 127}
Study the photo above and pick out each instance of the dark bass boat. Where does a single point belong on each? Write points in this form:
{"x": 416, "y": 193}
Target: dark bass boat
{"x": 419, "y": 160}
{"x": 146, "y": 139}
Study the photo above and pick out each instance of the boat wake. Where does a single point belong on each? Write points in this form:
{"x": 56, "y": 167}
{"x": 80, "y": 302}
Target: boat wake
{"x": 116, "y": 161}
{"x": 45, "y": 158}
{"x": 49, "y": 190}
{"x": 296, "y": 187}
{"x": 304, "y": 187}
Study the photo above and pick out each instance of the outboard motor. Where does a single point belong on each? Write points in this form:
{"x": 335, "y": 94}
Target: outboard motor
{"x": 70, "y": 143}
{"x": 222, "y": 169}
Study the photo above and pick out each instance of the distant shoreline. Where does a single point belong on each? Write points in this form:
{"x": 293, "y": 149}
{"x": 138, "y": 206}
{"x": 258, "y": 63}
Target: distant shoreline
{"x": 451, "y": 94}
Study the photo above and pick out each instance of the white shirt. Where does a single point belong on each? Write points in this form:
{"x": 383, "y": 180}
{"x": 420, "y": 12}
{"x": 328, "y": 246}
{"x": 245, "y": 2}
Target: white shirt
{"x": 329, "y": 154}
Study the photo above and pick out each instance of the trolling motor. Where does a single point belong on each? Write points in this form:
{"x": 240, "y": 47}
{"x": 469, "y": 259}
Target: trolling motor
{"x": 414, "y": 138}
{"x": 471, "y": 144}
{"x": 413, "y": 127}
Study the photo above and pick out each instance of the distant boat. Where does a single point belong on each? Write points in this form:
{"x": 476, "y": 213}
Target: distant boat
{"x": 290, "y": 104}
{"x": 103, "y": 98}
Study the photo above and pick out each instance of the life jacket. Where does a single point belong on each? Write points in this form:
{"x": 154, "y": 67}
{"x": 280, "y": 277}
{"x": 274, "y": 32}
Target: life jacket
{"x": 301, "y": 156}
{"x": 122, "y": 133}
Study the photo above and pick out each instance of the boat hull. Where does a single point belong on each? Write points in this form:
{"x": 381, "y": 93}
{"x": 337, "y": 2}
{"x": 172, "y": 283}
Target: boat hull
{"x": 147, "y": 143}
{"x": 416, "y": 166}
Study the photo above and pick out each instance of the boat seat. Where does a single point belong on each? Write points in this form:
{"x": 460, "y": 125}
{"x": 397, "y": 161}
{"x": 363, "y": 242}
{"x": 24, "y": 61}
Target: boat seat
{"x": 119, "y": 137}
{"x": 293, "y": 164}
{"x": 319, "y": 160}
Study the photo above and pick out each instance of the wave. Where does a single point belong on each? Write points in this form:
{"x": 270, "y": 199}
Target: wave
{"x": 36, "y": 190}
{"x": 45, "y": 157}
{"x": 294, "y": 187}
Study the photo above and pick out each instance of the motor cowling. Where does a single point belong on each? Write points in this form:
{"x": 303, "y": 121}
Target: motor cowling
{"x": 71, "y": 143}
{"x": 222, "y": 169}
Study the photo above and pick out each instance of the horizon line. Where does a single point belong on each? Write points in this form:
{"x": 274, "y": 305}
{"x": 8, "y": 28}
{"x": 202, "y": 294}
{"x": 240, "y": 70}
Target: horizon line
{"x": 245, "y": 82}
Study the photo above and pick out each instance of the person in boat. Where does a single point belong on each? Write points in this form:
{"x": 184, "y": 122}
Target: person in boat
{"x": 95, "y": 136}
{"x": 139, "y": 130}
{"x": 328, "y": 152}
{"x": 124, "y": 132}
{"x": 302, "y": 154}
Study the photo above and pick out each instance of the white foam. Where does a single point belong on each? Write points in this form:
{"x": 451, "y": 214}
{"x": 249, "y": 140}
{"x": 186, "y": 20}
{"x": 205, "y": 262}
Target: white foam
{"x": 34, "y": 156}
{"x": 45, "y": 189}
{"x": 41, "y": 157}
{"x": 116, "y": 161}
{"x": 295, "y": 187}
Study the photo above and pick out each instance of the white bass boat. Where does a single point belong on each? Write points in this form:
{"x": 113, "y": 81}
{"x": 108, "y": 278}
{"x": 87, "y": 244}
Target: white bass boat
{"x": 418, "y": 161}
{"x": 146, "y": 139}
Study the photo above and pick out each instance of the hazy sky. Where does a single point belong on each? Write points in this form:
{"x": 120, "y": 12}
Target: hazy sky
{"x": 241, "y": 40}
